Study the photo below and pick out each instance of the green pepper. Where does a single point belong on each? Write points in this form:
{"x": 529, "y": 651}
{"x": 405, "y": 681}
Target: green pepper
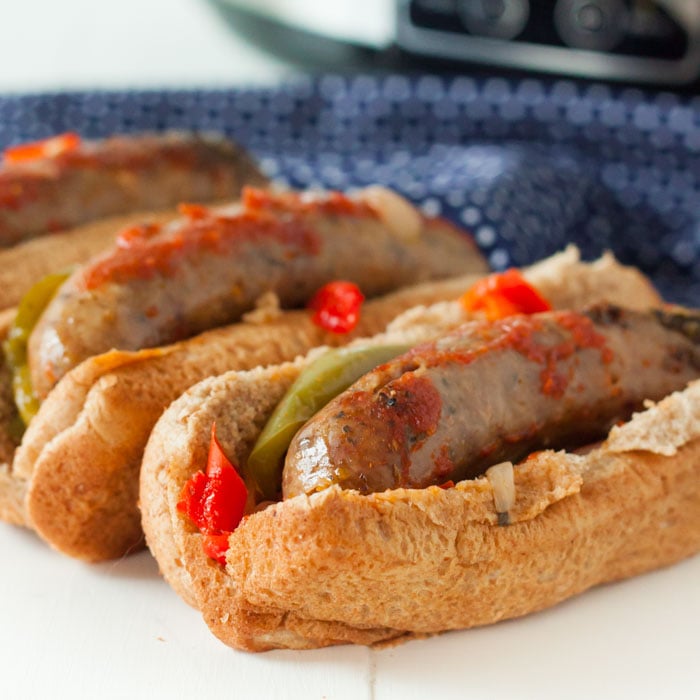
{"x": 322, "y": 381}
{"x": 29, "y": 310}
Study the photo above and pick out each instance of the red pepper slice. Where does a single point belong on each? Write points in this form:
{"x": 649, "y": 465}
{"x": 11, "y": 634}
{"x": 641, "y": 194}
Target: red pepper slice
{"x": 337, "y": 306}
{"x": 216, "y": 546}
{"x": 46, "y": 148}
{"x": 504, "y": 294}
{"x": 215, "y": 500}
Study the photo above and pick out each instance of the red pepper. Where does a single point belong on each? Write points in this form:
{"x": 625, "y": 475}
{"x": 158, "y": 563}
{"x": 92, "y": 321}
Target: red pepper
{"x": 504, "y": 294}
{"x": 215, "y": 500}
{"x": 46, "y": 148}
{"x": 216, "y": 546}
{"x": 337, "y": 306}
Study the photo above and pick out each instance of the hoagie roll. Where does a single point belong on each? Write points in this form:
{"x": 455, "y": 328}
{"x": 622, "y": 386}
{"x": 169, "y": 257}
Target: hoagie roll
{"x": 336, "y": 565}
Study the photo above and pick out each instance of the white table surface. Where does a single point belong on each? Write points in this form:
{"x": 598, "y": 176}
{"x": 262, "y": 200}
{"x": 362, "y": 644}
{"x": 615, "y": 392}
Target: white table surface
{"x": 117, "y": 631}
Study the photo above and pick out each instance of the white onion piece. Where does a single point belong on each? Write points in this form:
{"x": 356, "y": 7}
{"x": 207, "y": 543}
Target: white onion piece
{"x": 397, "y": 213}
{"x": 502, "y": 479}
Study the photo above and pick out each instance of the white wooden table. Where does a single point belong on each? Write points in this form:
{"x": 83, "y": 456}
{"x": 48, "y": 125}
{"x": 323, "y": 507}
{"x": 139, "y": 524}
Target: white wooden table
{"x": 117, "y": 630}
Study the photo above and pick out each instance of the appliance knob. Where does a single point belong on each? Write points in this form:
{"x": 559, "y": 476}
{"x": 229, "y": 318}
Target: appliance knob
{"x": 597, "y": 25}
{"x": 497, "y": 19}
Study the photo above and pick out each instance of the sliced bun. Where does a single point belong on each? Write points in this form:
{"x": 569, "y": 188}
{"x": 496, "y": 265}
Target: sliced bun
{"x": 342, "y": 567}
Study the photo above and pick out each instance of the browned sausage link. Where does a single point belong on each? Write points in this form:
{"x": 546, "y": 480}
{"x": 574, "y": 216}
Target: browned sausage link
{"x": 488, "y": 393}
{"x": 160, "y": 286}
{"x": 118, "y": 175}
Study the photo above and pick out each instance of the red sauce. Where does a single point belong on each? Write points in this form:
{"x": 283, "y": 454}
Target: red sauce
{"x": 418, "y": 404}
{"x": 193, "y": 211}
{"x": 136, "y": 235}
{"x": 585, "y": 335}
{"x": 146, "y": 256}
{"x": 31, "y": 168}
{"x": 284, "y": 218}
{"x": 326, "y": 204}
{"x": 443, "y": 464}
{"x": 18, "y": 189}
{"x": 520, "y": 333}
{"x": 408, "y": 410}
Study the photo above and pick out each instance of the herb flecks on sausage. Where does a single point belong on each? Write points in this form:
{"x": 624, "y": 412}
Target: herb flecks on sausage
{"x": 551, "y": 380}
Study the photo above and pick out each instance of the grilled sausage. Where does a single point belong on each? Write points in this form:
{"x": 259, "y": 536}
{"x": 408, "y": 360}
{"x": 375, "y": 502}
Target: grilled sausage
{"x": 488, "y": 393}
{"x": 91, "y": 180}
{"x": 161, "y": 284}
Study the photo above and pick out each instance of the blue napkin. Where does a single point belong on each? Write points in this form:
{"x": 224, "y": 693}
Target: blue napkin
{"x": 526, "y": 165}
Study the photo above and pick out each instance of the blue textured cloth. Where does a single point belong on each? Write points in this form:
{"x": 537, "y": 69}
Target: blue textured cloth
{"x": 526, "y": 165}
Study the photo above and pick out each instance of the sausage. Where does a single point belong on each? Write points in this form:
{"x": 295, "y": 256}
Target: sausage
{"x": 94, "y": 179}
{"x": 161, "y": 284}
{"x": 489, "y": 393}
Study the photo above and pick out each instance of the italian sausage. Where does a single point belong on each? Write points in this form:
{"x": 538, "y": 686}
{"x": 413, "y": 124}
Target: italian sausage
{"x": 489, "y": 393}
{"x": 161, "y": 284}
{"x": 78, "y": 181}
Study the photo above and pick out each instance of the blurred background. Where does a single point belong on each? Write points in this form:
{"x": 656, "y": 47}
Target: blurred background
{"x": 49, "y": 45}
{"x": 532, "y": 123}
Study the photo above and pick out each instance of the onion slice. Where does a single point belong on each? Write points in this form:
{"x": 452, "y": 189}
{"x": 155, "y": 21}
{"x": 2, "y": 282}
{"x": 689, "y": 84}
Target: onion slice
{"x": 502, "y": 479}
{"x": 397, "y": 213}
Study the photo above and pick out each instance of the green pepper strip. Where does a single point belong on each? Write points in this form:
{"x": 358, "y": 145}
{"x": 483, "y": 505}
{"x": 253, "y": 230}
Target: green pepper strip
{"x": 322, "y": 381}
{"x": 29, "y": 311}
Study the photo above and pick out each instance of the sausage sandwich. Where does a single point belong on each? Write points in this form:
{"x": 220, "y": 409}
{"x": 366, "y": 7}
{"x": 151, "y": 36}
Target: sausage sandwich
{"x": 496, "y": 468}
